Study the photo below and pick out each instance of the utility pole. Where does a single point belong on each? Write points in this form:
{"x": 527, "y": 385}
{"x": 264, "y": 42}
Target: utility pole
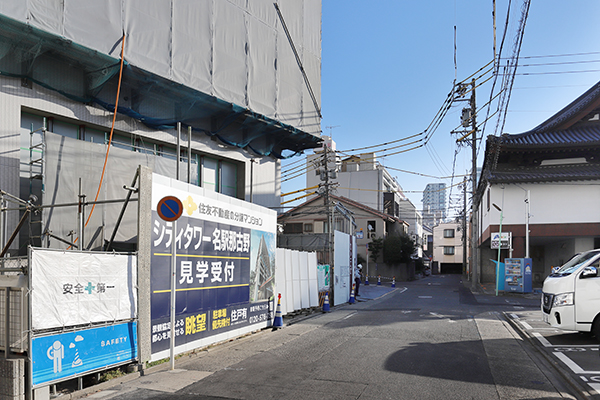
{"x": 474, "y": 219}
{"x": 326, "y": 173}
{"x": 464, "y": 226}
{"x": 469, "y": 118}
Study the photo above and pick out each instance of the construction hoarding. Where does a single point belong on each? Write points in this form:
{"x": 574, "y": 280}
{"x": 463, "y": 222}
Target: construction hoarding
{"x": 225, "y": 267}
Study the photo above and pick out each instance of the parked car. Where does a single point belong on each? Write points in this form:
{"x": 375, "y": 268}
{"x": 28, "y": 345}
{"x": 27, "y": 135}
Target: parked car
{"x": 571, "y": 294}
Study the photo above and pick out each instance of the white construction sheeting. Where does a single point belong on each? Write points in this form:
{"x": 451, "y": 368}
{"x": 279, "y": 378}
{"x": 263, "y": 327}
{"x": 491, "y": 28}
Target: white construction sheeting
{"x": 234, "y": 50}
{"x": 342, "y": 268}
{"x": 73, "y": 288}
{"x": 296, "y": 280}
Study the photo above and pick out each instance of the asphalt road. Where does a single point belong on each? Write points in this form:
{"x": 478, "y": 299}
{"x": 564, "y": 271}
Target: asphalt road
{"x": 576, "y": 354}
{"x": 427, "y": 339}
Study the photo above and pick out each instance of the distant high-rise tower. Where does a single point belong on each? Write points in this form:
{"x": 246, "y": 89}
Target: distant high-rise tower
{"x": 434, "y": 204}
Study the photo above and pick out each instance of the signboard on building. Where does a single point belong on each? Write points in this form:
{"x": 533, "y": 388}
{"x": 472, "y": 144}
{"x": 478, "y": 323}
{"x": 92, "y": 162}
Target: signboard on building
{"x": 74, "y": 288}
{"x": 225, "y": 266}
{"x": 67, "y": 355}
{"x": 501, "y": 237}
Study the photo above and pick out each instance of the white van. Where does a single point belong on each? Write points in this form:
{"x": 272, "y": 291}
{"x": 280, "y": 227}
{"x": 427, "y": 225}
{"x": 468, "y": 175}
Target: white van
{"x": 571, "y": 294}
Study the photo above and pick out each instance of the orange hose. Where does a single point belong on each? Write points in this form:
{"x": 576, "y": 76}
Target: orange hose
{"x": 112, "y": 129}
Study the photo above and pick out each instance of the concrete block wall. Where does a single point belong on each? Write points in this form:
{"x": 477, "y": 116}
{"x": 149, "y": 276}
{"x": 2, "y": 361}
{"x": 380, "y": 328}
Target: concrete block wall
{"x": 12, "y": 379}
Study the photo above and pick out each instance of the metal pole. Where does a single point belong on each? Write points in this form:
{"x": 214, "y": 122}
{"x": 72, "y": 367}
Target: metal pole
{"x": 173, "y": 297}
{"x": 251, "y": 180}
{"x": 178, "y": 150}
{"x": 7, "y": 325}
{"x": 79, "y": 217}
{"x": 499, "y": 246}
{"x": 2, "y": 220}
{"x": 189, "y": 155}
{"x": 528, "y": 209}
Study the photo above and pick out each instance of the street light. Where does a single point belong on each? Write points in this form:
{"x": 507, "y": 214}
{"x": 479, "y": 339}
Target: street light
{"x": 499, "y": 245}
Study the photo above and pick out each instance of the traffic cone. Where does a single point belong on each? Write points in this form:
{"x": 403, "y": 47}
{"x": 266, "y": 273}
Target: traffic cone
{"x": 394, "y": 282}
{"x": 352, "y": 299}
{"x": 326, "y": 303}
{"x": 366, "y": 280}
{"x": 379, "y": 280}
{"x": 278, "y": 321}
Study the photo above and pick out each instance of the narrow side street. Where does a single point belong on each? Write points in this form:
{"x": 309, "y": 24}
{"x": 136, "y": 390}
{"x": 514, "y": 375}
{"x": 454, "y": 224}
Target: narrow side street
{"x": 425, "y": 339}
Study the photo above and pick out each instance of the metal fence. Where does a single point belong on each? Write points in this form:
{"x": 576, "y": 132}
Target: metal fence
{"x": 13, "y": 309}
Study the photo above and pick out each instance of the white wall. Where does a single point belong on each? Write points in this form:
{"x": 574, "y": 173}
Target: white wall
{"x": 563, "y": 203}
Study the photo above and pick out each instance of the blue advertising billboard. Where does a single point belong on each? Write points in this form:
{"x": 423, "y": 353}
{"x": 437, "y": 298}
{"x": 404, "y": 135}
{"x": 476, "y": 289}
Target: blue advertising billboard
{"x": 66, "y": 355}
{"x": 225, "y": 266}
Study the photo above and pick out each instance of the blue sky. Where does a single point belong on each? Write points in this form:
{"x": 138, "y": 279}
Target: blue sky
{"x": 388, "y": 66}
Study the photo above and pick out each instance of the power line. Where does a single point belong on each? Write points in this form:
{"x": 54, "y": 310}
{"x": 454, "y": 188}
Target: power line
{"x": 561, "y": 55}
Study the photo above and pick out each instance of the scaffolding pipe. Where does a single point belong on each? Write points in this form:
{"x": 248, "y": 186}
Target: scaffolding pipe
{"x": 189, "y": 155}
{"x": 178, "y": 150}
{"x": 130, "y": 191}
{"x": 14, "y": 234}
{"x": 7, "y": 324}
{"x": 2, "y": 219}
{"x": 49, "y": 234}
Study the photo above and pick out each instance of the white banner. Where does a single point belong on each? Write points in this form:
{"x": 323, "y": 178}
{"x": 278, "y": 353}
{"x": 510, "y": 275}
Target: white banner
{"x": 73, "y": 288}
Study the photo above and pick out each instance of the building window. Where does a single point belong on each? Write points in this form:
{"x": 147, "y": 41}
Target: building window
{"x": 308, "y": 227}
{"x": 448, "y": 250}
{"x": 295, "y": 227}
{"x": 449, "y": 233}
{"x": 371, "y": 229}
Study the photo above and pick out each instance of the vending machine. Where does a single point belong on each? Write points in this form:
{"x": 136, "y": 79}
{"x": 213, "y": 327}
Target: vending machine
{"x": 517, "y": 275}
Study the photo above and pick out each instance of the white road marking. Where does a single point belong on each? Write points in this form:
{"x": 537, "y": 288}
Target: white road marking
{"x": 542, "y": 339}
{"x": 426, "y": 297}
{"x": 442, "y": 317}
{"x": 351, "y": 315}
{"x": 568, "y": 362}
{"x": 595, "y": 386}
{"x": 572, "y": 365}
{"x": 526, "y": 325}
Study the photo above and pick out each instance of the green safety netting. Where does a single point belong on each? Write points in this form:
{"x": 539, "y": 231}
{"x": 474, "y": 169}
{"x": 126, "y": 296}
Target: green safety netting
{"x": 85, "y": 75}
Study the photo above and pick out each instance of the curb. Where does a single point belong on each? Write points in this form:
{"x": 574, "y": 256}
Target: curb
{"x": 567, "y": 378}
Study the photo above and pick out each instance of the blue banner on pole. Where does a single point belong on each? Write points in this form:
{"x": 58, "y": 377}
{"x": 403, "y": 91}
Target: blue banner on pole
{"x": 67, "y": 355}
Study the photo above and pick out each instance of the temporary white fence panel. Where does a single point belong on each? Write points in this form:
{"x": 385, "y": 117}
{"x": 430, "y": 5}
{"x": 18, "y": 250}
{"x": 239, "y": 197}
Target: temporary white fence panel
{"x": 296, "y": 280}
{"x": 342, "y": 257}
{"x": 280, "y": 278}
{"x": 304, "y": 289}
{"x": 75, "y": 288}
{"x": 299, "y": 280}
{"x": 289, "y": 285}
{"x": 313, "y": 284}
